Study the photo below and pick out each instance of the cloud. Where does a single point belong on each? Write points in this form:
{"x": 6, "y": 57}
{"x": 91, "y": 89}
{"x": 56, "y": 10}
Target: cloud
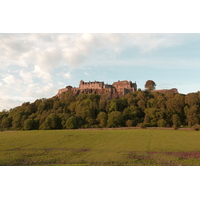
{"x": 42, "y": 73}
{"x": 7, "y": 103}
{"x": 33, "y": 91}
{"x": 36, "y": 65}
{"x": 49, "y": 58}
{"x": 11, "y": 80}
{"x": 67, "y": 75}
{"x": 12, "y": 95}
{"x": 80, "y": 48}
{"x": 50, "y": 51}
{"x": 26, "y": 76}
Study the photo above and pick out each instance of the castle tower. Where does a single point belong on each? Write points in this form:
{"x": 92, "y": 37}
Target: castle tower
{"x": 81, "y": 83}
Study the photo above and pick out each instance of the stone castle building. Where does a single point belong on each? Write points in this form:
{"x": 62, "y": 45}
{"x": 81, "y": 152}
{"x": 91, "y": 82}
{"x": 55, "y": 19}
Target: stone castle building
{"x": 117, "y": 89}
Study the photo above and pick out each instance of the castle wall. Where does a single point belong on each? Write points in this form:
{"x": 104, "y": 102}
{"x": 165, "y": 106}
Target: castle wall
{"x": 117, "y": 89}
{"x": 124, "y": 87}
{"x": 107, "y": 86}
{"x": 60, "y": 91}
{"x": 91, "y": 85}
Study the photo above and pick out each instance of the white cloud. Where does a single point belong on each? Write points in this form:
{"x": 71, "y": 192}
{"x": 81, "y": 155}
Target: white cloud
{"x": 26, "y": 76}
{"x": 34, "y": 65}
{"x": 7, "y": 103}
{"x": 42, "y": 73}
{"x": 49, "y": 58}
{"x": 67, "y": 75}
{"x": 35, "y": 90}
{"x": 48, "y": 88}
{"x": 10, "y": 80}
{"x": 61, "y": 83}
{"x": 54, "y": 50}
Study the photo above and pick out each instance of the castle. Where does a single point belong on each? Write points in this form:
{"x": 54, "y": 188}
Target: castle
{"x": 117, "y": 89}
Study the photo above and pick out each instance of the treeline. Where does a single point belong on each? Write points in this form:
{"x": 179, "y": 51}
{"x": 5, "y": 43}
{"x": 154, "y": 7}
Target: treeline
{"x": 141, "y": 108}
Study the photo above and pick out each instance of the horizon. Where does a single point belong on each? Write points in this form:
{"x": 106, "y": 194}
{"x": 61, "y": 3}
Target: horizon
{"x": 35, "y": 66}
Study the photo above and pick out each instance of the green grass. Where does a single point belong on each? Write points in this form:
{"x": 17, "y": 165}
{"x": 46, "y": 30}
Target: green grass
{"x": 134, "y": 147}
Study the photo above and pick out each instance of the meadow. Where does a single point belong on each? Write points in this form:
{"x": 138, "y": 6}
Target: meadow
{"x": 130, "y": 147}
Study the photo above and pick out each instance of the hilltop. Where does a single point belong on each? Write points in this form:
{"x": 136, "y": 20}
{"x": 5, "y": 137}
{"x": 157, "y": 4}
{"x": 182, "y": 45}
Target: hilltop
{"x": 99, "y": 105}
{"x": 117, "y": 89}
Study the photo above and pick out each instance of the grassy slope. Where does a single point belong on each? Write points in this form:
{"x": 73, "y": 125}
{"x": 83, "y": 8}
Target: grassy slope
{"x": 99, "y": 147}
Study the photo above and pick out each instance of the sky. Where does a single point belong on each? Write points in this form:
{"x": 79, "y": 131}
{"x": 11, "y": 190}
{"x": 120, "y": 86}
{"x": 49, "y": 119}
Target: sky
{"x": 34, "y": 66}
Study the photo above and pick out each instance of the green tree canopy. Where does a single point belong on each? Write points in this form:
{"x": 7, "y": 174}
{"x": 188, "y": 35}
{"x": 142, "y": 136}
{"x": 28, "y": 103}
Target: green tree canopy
{"x": 115, "y": 119}
{"x": 71, "y": 123}
{"x": 53, "y": 121}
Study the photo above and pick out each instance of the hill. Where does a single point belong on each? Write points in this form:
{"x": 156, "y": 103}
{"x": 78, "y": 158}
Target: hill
{"x": 138, "y": 108}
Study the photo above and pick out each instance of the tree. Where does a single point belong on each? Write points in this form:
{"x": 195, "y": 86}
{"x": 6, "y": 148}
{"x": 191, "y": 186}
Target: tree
{"x": 84, "y": 109}
{"x": 176, "y": 105}
{"x": 162, "y": 123}
{"x": 131, "y": 99}
{"x": 90, "y": 122}
{"x": 29, "y": 124}
{"x": 192, "y": 115}
{"x": 129, "y": 123}
{"x": 64, "y": 117}
{"x": 117, "y": 105}
{"x": 134, "y": 114}
{"x": 160, "y": 101}
{"x": 102, "y": 119}
{"x": 102, "y": 104}
{"x": 141, "y": 104}
{"x": 115, "y": 119}
{"x": 67, "y": 97}
{"x": 53, "y": 121}
{"x": 192, "y": 99}
{"x": 150, "y": 85}
{"x": 6, "y": 122}
{"x": 71, "y": 123}
{"x": 176, "y": 121}
{"x": 16, "y": 123}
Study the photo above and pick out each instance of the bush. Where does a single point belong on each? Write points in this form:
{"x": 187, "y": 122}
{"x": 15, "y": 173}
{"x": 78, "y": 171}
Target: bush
{"x": 162, "y": 123}
{"x": 175, "y": 127}
{"x": 196, "y": 127}
{"x": 129, "y": 123}
{"x": 141, "y": 125}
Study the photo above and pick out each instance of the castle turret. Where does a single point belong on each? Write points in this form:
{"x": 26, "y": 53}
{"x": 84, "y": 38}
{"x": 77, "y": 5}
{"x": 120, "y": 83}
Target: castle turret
{"x": 81, "y": 83}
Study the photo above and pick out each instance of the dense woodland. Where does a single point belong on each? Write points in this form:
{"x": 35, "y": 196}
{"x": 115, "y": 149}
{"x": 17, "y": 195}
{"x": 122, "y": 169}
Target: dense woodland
{"x": 141, "y": 108}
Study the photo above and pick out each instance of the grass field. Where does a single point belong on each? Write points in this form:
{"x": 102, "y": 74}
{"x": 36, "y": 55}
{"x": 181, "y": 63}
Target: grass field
{"x": 134, "y": 147}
